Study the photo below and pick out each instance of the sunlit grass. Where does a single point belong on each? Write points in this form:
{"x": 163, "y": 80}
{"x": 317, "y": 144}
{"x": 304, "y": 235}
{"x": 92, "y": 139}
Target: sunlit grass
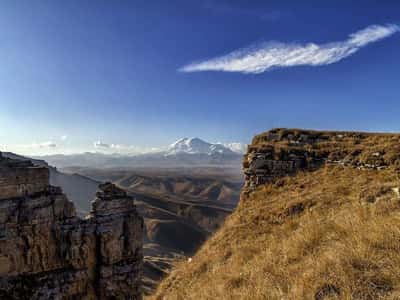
{"x": 329, "y": 234}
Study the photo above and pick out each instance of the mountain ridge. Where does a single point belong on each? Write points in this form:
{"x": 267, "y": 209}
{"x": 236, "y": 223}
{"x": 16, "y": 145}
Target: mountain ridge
{"x": 184, "y": 152}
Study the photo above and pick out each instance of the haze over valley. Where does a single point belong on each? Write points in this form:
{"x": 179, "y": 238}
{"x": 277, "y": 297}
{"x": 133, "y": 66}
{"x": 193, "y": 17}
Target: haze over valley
{"x": 184, "y": 152}
{"x": 183, "y": 193}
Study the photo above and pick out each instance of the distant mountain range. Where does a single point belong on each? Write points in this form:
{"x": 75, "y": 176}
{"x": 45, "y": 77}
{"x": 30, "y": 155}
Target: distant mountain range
{"x": 184, "y": 152}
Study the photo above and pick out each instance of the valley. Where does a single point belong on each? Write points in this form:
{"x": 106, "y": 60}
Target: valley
{"x": 183, "y": 194}
{"x": 181, "y": 209}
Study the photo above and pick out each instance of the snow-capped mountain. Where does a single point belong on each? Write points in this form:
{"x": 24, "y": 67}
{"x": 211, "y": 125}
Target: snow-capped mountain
{"x": 196, "y": 146}
{"x": 184, "y": 152}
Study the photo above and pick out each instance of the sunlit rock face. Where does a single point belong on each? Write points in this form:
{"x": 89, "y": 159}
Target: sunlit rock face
{"x": 20, "y": 178}
{"x": 47, "y": 252}
{"x": 283, "y": 152}
{"x": 118, "y": 243}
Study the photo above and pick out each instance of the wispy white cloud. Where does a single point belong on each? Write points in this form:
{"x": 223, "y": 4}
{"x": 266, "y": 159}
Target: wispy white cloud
{"x": 41, "y": 145}
{"x": 36, "y": 148}
{"x": 236, "y": 147}
{"x": 48, "y": 144}
{"x": 133, "y": 149}
{"x": 100, "y": 144}
{"x": 63, "y": 137}
{"x": 271, "y": 55}
{"x": 124, "y": 149}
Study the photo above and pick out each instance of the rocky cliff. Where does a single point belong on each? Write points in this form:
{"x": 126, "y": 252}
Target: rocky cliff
{"x": 281, "y": 152}
{"x": 318, "y": 219}
{"x": 47, "y": 252}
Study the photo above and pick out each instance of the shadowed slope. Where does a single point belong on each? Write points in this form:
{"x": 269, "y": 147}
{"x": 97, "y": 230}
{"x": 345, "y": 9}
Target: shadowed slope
{"x": 180, "y": 207}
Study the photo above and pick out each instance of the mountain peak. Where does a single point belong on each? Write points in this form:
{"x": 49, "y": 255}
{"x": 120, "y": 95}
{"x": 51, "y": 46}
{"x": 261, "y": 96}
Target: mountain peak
{"x": 195, "y": 145}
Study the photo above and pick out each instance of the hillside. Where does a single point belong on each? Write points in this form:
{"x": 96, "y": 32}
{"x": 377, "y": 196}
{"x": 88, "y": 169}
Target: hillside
{"x": 181, "y": 209}
{"x": 330, "y": 230}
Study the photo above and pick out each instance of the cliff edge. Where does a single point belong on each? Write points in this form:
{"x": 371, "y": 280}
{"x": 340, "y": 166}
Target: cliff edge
{"x": 47, "y": 252}
{"x": 318, "y": 219}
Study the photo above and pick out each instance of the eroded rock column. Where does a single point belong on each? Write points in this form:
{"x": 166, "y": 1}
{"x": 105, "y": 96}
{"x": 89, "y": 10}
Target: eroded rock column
{"x": 118, "y": 244}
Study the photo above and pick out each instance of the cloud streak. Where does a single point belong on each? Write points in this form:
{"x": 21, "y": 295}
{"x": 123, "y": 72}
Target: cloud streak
{"x": 48, "y": 144}
{"x": 100, "y": 144}
{"x": 272, "y": 55}
{"x": 122, "y": 148}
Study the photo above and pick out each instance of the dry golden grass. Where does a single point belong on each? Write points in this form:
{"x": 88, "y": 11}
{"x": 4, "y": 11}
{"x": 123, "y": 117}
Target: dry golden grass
{"x": 329, "y": 234}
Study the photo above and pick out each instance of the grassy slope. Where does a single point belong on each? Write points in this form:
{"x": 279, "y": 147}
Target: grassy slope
{"x": 329, "y": 234}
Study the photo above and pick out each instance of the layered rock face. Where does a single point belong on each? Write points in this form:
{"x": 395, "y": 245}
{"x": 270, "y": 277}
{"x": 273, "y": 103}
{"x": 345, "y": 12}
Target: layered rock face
{"x": 281, "y": 152}
{"x": 18, "y": 178}
{"x": 118, "y": 244}
{"x": 47, "y": 252}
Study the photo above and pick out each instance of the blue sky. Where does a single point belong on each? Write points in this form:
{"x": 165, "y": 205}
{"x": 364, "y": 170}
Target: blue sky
{"x": 79, "y": 71}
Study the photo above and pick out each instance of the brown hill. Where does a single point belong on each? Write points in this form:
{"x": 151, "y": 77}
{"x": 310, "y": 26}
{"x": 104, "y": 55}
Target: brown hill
{"x": 330, "y": 230}
{"x": 181, "y": 209}
{"x": 201, "y": 188}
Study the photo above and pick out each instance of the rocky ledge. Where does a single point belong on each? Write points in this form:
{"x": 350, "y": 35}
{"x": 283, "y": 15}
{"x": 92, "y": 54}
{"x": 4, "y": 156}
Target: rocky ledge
{"x": 47, "y": 252}
{"x": 281, "y": 152}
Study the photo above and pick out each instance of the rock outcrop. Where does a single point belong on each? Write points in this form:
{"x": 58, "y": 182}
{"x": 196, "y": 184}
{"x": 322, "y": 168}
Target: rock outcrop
{"x": 47, "y": 252}
{"x": 282, "y": 152}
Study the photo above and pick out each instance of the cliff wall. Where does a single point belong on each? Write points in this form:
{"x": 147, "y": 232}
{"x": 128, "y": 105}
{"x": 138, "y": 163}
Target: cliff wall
{"x": 282, "y": 152}
{"x": 20, "y": 178}
{"x": 47, "y": 252}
